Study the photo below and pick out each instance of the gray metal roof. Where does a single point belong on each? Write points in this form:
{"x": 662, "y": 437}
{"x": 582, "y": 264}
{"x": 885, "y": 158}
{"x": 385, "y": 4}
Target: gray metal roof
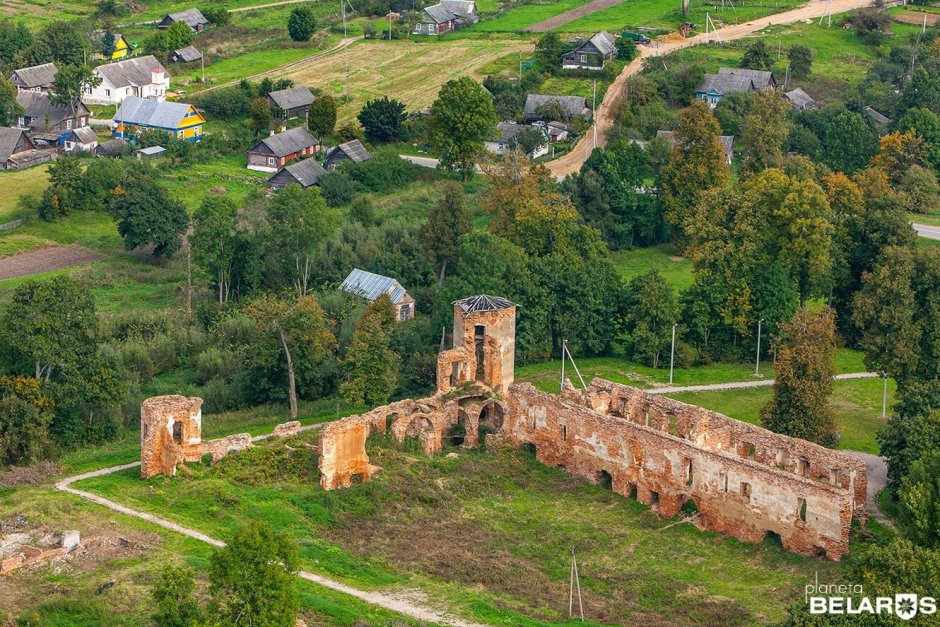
{"x": 800, "y": 99}
{"x": 439, "y": 13}
{"x": 461, "y": 8}
{"x": 37, "y": 75}
{"x": 152, "y": 150}
{"x": 85, "y": 134}
{"x": 292, "y": 97}
{"x": 188, "y": 54}
{"x": 761, "y": 78}
{"x": 604, "y": 42}
{"x": 370, "y": 286}
{"x": 305, "y": 173}
{"x": 483, "y": 303}
{"x": 573, "y": 106}
{"x": 725, "y": 84}
{"x": 130, "y": 72}
{"x": 146, "y": 112}
{"x": 354, "y": 150}
{"x": 193, "y": 17}
{"x": 287, "y": 143}
{"x": 9, "y": 138}
{"x": 38, "y": 106}
{"x": 878, "y": 117}
{"x": 116, "y": 146}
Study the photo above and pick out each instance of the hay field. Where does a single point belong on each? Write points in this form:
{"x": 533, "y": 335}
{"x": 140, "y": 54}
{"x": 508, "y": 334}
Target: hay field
{"x": 409, "y": 71}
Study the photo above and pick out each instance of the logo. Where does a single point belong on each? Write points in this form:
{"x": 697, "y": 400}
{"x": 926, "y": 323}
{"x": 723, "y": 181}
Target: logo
{"x": 850, "y": 599}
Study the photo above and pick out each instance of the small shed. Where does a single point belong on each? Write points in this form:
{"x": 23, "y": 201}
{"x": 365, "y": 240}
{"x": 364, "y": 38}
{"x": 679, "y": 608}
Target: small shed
{"x": 370, "y": 286}
{"x": 881, "y": 121}
{"x": 350, "y": 151}
{"x": 305, "y": 173}
{"x": 293, "y": 101}
{"x": 117, "y": 147}
{"x": 800, "y": 100}
{"x": 81, "y": 139}
{"x": 17, "y": 151}
{"x": 272, "y": 153}
{"x": 151, "y": 152}
{"x": 185, "y": 55}
{"x": 192, "y": 17}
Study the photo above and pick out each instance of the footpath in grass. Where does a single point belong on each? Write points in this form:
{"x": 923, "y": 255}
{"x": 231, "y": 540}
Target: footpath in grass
{"x": 486, "y": 534}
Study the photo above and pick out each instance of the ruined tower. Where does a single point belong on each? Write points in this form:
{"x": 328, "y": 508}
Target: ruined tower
{"x": 170, "y": 432}
{"x": 484, "y": 345}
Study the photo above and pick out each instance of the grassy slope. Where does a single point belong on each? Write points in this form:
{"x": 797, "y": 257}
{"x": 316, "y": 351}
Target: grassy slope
{"x": 632, "y": 263}
{"x": 485, "y": 533}
{"x": 19, "y": 183}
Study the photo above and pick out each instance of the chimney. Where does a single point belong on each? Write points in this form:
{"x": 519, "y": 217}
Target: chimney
{"x": 271, "y": 133}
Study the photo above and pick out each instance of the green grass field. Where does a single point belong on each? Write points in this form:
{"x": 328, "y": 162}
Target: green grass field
{"x": 632, "y": 263}
{"x": 19, "y": 183}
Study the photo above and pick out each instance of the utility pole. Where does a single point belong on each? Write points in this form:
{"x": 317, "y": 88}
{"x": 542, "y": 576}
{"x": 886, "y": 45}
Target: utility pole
{"x": 594, "y": 112}
{"x": 779, "y": 45}
{"x": 672, "y": 353}
{"x": 564, "y": 348}
{"x": 346, "y": 46}
{"x": 202, "y": 61}
{"x": 884, "y": 396}
{"x": 757, "y": 366}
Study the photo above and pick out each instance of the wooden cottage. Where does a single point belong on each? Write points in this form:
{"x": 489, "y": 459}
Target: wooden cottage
{"x": 305, "y": 173}
{"x": 35, "y": 78}
{"x": 592, "y": 54}
{"x": 137, "y": 115}
{"x": 729, "y": 80}
{"x": 188, "y": 54}
{"x": 49, "y": 124}
{"x": 350, "y": 151}
{"x": 17, "y": 151}
{"x": 294, "y": 102}
{"x": 537, "y": 107}
{"x": 122, "y": 47}
{"x": 191, "y": 17}
{"x": 445, "y": 16}
{"x": 82, "y": 139}
{"x": 370, "y": 286}
{"x": 272, "y": 153}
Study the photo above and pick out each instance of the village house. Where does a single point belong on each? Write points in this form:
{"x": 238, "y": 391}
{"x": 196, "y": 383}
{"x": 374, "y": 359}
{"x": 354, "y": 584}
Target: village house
{"x": 370, "y": 286}
{"x": 593, "y": 54}
{"x": 82, "y": 139}
{"x": 557, "y": 131}
{"x": 506, "y": 133}
{"x": 538, "y": 107}
{"x": 445, "y": 16}
{"x": 801, "y": 101}
{"x": 293, "y": 101}
{"x": 185, "y": 55}
{"x": 728, "y": 80}
{"x": 17, "y": 151}
{"x": 117, "y": 147}
{"x": 192, "y": 17}
{"x": 350, "y": 151}
{"x": 272, "y": 153}
{"x": 726, "y": 141}
{"x": 35, "y": 78}
{"x": 121, "y": 47}
{"x": 137, "y": 115}
{"x": 305, "y": 173}
{"x": 144, "y": 77}
{"x": 49, "y": 124}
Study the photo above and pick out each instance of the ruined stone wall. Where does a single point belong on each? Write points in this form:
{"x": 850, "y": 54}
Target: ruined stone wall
{"x": 459, "y": 365}
{"x": 734, "y": 494}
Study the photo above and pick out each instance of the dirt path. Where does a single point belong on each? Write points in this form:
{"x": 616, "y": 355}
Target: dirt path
{"x": 45, "y": 260}
{"x": 393, "y": 602}
{"x": 738, "y": 385}
{"x": 569, "y": 16}
{"x": 877, "y": 480}
{"x": 604, "y": 116}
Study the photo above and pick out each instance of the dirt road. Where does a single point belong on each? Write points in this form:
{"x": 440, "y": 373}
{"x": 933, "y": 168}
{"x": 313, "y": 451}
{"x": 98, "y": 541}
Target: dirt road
{"x": 603, "y": 117}
{"x": 45, "y": 260}
{"x": 570, "y": 16}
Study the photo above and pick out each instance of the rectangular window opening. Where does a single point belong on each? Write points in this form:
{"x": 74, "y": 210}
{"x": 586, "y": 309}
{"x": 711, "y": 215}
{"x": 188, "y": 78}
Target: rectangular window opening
{"x": 746, "y": 491}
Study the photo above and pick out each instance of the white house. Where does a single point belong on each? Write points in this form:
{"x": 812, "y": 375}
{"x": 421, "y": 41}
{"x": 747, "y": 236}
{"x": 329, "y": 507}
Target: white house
{"x": 506, "y": 133}
{"x": 144, "y": 77}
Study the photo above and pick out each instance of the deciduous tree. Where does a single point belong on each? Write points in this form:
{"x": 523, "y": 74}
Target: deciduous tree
{"x": 213, "y": 241}
{"x": 321, "y": 119}
{"x": 913, "y": 430}
{"x": 919, "y": 501}
{"x": 146, "y": 214}
{"x": 801, "y": 60}
{"x": 69, "y": 85}
{"x": 757, "y": 56}
{"x": 382, "y": 119}
{"x": 766, "y": 130}
{"x": 9, "y": 107}
{"x": 173, "y": 596}
{"x": 371, "y": 366}
{"x": 301, "y": 24}
{"x": 462, "y": 117}
{"x": 447, "y": 221}
{"x": 300, "y": 220}
{"x": 650, "y": 311}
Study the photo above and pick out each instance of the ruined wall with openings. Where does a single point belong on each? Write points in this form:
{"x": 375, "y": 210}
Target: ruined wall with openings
{"x": 484, "y": 345}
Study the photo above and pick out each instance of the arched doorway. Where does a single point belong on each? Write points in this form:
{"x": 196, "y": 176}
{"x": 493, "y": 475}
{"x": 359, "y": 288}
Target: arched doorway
{"x": 491, "y": 418}
{"x": 456, "y": 434}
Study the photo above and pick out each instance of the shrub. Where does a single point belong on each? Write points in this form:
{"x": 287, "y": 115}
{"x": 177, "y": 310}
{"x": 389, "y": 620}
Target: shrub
{"x": 215, "y": 396}
{"x": 163, "y": 353}
{"x": 212, "y": 363}
{"x": 337, "y": 188}
{"x": 383, "y": 173}
{"x": 137, "y": 361}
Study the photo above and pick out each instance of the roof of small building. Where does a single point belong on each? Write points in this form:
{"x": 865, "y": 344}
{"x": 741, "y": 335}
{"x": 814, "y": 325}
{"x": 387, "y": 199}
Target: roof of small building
{"x": 116, "y": 146}
{"x": 761, "y": 78}
{"x": 9, "y": 138}
{"x": 483, "y": 303}
{"x": 726, "y": 141}
{"x": 800, "y": 98}
{"x": 188, "y": 54}
{"x": 152, "y": 150}
{"x": 439, "y": 13}
{"x": 306, "y": 172}
{"x": 38, "y": 106}
{"x": 292, "y": 97}
{"x": 507, "y": 130}
{"x": 571, "y": 105}
{"x": 37, "y": 75}
{"x": 880, "y": 118}
{"x": 370, "y": 286}
{"x": 725, "y": 84}
{"x": 354, "y": 150}
{"x": 288, "y": 142}
{"x": 193, "y": 17}
{"x": 85, "y": 134}
{"x": 147, "y": 112}
{"x": 604, "y": 42}
{"x": 130, "y": 72}
{"x": 460, "y": 8}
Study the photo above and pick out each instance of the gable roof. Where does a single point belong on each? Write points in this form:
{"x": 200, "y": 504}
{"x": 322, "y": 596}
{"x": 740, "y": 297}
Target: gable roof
{"x": 9, "y": 138}
{"x": 37, "y": 75}
{"x": 193, "y": 17}
{"x": 85, "y": 134}
{"x": 130, "y": 72}
{"x": 571, "y": 105}
{"x": 507, "y": 130}
{"x": 761, "y": 78}
{"x": 187, "y": 54}
{"x": 439, "y": 13}
{"x": 370, "y": 286}
{"x": 800, "y": 99}
{"x": 354, "y": 150}
{"x": 726, "y": 141}
{"x": 725, "y": 84}
{"x": 292, "y": 97}
{"x": 306, "y": 172}
{"x": 42, "y": 113}
{"x": 460, "y": 8}
{"x": 483, "y": 303}
{"x": 287, "y": 143}
{"x": 146, "y": 112}
{"x": 603, "y": 42}
{"x": 879, "y": 118}
{"x": 116, "y": 146}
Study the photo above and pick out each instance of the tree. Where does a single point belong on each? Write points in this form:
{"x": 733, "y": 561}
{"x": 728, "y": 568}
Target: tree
{"x": 146, "y": 214}
{"x": 448, "y": 221}
{"x": 848, "y": 142}
{"x": 10, "y": 109}
{"x": 108, "y": 44}
{"x": 913, "y": 430}
{"x": 371, "y": 367}
{"x": 898, "y": 152}
{"x": 382, "y": 119}
{"x": 298, "y": 326}
{"x": 178, "y": 35}
{"x": 733, "y": 110}
{"x": 173, "y": 597}
{"x": 801, "y": 60}
{"x": 461, "y": 118}
{"x": 766, "y": 129}
{"x": 528, "y": 140}
{"x": 252, "y": 577}
{"x": 70, "y": 83}
{"x": 924, "y": 123}
{"x": 919, "y": 501}
{"x": 300, "y": 220}
{"x": 321, "y": 119}
{"x": 261, "y": 115}
{"x": 25, "y": 414}
{"x": 921, "y": 91}
{"x": 213, "y": 241}
{"x": 217, "y": 15}
{"x": 800, "y": 404}
{"x": 918, "y": 190}
{"x": 14, "y": 38}
{"x": 301, "y": 24}
{"x": 48, "y": 325}
{"x": 65, "y": 186}
{"x": 696, "y": 165}
{"x": 548, "y": 51}
{"x": 626, "y": 48}
{"x": 757, "y": 56}
{"x": 650, "y": 311}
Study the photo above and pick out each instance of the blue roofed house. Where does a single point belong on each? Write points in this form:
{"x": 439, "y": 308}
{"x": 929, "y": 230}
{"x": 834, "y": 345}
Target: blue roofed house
{"x": 370, "y": 286}
{"x": 137, "y": 115}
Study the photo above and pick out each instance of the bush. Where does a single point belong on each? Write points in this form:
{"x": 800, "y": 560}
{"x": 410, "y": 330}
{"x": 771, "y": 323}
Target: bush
{"x": 383, "y": 173}
{"x": 163, "y": 353}
{"x": 137, "y": 361}
{"x": 213, "y": 363}
{"x": 337, "y": 188}
{"x": 215, "y": 396}
{"x": 228, "y": 103}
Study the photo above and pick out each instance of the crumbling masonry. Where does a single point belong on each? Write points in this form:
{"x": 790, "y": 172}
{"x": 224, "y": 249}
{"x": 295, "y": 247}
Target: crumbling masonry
{"x": 743, "y": 480}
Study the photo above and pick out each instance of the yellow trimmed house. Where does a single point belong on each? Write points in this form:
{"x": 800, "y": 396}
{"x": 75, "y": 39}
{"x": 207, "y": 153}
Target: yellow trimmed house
{"x": 137, "y": 115}
{"x": 121, "y": 47}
